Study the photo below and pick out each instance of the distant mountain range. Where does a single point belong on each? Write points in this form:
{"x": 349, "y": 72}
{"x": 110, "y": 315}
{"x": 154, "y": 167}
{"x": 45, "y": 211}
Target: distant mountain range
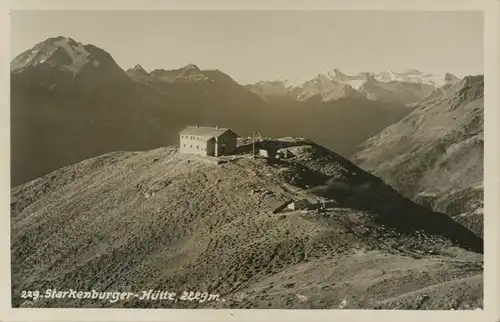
{"x": 405, "y": 87}
{"x": 409, "y": 86}
{"x": 71, "y": 101}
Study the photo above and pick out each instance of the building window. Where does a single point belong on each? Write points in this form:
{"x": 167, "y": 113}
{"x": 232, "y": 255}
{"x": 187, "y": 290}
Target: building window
{"x": 190, "y": 146}
{"x": 184, "y": 145}
{"x": 197, "y": 147}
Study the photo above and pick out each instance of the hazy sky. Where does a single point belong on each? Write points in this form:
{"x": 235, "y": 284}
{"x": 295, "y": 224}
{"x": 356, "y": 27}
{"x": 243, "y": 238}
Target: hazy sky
{"x": 267, "y": 45}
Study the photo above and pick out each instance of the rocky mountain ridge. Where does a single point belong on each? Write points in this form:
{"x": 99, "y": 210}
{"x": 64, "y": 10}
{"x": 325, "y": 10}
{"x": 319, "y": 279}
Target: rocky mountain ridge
{"x": 435, "y": 154}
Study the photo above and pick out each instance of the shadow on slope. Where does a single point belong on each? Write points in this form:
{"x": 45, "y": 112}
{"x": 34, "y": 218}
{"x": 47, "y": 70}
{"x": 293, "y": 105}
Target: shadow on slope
{"x": 334, "y": 177}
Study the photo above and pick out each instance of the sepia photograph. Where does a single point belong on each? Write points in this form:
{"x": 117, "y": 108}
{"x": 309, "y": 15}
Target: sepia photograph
{"x": 247, "y": 159}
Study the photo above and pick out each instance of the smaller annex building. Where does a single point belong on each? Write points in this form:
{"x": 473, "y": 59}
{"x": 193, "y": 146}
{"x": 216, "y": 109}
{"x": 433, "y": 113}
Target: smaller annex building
{"x": 204, "y": 140}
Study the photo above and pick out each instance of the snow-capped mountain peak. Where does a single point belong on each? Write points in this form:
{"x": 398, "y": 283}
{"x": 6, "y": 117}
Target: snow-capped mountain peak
{"x": 322, "y": 79}
{"x": 410, "y": 76}
{"x": 292, "y": 82}
{"x": 191, "y": 67}
{"x": 450, "y": 78}
{"x": 62, "y": 52}
{"x": 407, "y": 76}
{"x": 338, "y": 73}
{"x": 407, "y": 86}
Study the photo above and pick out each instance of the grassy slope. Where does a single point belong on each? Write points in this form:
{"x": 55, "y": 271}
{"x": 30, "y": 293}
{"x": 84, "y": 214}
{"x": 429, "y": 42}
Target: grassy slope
{"x": 156, "y": 219}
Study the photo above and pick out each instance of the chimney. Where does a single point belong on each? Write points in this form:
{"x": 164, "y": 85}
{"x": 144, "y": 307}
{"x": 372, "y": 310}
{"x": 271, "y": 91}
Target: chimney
{"x": 197, "y": 125}
{"x": 216, "y": 126}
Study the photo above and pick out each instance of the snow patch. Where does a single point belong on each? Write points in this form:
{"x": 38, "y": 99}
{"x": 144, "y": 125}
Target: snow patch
{"x": 356, "y": 84}
{"x": 76, "y": 52}
{"x": 286, "y": 82}
{"x": 409, "y": 76}
{"x": 35, "y": 56}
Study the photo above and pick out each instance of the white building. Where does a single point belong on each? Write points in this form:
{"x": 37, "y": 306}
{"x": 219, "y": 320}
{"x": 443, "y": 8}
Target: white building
{"x": 204, "y": 140}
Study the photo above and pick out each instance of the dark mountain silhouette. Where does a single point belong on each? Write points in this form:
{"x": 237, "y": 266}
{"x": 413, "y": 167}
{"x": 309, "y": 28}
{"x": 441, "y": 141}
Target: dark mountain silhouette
{"x": 71, "y": 101}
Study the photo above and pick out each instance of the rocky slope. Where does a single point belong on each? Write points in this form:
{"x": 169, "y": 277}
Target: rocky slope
{"x": 134, "y": 221}
{"x": 70, "y": 102}
{"x": 435, "y": 154}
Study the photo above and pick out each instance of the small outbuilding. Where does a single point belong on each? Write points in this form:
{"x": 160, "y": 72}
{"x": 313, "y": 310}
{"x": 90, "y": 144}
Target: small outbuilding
{"x": 298, "y": 204}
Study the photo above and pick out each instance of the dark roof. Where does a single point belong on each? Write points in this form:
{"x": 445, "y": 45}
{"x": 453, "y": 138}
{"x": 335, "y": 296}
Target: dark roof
{"x": 204, "y": 131}
{"x": 207, "y": 138}
{"x": 315, "y": 199}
